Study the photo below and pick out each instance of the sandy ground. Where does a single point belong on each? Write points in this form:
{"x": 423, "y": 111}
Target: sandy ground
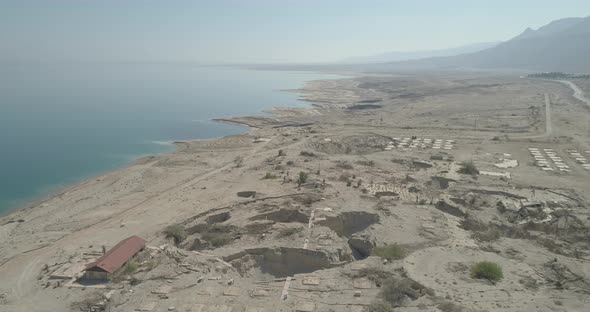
{"x": 367, "y": 186}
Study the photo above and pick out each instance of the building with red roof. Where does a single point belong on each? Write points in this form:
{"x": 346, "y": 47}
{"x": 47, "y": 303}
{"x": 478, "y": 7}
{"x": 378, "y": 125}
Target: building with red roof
{"x": 113, "y": 260}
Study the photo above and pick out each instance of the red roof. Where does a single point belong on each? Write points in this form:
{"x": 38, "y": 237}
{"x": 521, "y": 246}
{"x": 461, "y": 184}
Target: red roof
{"x": 115, "y": 258}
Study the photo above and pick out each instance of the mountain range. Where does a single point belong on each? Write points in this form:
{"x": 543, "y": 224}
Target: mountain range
{"x": 562, "y": 45}
{"x": 413, "y": 55}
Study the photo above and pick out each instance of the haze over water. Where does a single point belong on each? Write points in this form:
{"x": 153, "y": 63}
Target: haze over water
{"x": 62, "y": 123}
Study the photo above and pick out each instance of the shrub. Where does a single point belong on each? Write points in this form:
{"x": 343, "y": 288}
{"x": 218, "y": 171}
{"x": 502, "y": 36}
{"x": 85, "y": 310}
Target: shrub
{"x": 307, "y": 199}
{"x": 302, "y": 178}
{"x": 490, "y": 235}
{"x": 379, "y": 307}
{"x": 449, "y": 307}
{"x": 218, "y": 234}
{"x": 390, "y": 252}
{"x": 307, "y": 154}
{"x": 395, "y": 291}
{"x": 374, "y": 274}
{"x": 239, "y": 161}
{"x": 218, "y": 239}
{"x": 368, "y": 163}
{"x": 269, "y": 175}
{"x": 468, "y": 168}
{"x": 282, "y": 153}
{"x": 288, "y": 232}
{"x": 176, "y": 232}
{"x": 344, "y": 165}
{"x": 487, "y": 270}
{"x": 290, "y": 163}
{"x": 131, "y": 267}
{"x": 151, "y": 264}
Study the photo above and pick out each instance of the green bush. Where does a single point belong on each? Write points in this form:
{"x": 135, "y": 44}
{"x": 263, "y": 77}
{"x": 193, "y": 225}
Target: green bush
{"x": 302, "y": 178}
{"x": 176, "y": 232}
{"x": 390, "y": 252}
{"x": 131, "y": 267}
{"x": 487, "y": 270}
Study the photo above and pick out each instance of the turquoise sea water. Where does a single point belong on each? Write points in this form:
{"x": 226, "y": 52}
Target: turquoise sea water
{"x": 61, "y": 123}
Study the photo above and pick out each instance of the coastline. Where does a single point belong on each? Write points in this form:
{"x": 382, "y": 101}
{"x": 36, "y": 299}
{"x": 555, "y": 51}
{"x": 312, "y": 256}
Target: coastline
{"x": 248, "y": 122}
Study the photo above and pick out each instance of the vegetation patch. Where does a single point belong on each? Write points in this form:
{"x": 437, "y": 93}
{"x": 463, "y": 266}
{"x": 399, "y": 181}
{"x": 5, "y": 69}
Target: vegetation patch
{"x": 344, "y": 165}
{"x": 288, "y": 232}
{"x": 395, "y": 291}
{"x": 368, "y": 163}
{"x": 302, "y": 178}
{"x": 379, "y": 307}
{"x": 218, "y": 234}
{"x": 175, "y": 232}
{"x": 376, "y": 275}
{"x": 269, "y": 175}
{"x": 468, "y": 168}
{"x": 450, "y": 307}
{"x": 390, "y": 252}
{"x": 487, "y": 270}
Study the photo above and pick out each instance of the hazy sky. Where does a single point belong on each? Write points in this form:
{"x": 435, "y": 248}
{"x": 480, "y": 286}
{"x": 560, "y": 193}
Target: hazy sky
{"x": 259, "y": 30}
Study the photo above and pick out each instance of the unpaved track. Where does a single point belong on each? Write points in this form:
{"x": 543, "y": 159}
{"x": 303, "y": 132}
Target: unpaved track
{"x": 548, "y": 127}
{"x": 578, "y": 93}
{"x": 548, "y": 123}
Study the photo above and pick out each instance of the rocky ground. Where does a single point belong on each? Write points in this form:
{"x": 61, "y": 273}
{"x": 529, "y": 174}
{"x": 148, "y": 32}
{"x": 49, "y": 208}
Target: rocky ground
{"x": 384, "y": 195}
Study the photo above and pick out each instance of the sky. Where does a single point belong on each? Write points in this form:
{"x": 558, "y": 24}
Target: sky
{"x": 259, "y": 31}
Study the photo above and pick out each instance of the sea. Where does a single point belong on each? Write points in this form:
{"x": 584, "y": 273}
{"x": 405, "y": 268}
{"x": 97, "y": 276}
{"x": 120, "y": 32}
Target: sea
{"x": 63, "y": 123}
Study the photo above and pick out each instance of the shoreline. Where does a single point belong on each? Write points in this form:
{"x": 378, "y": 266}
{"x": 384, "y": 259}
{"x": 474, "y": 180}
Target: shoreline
{"x": 60, "y": 191}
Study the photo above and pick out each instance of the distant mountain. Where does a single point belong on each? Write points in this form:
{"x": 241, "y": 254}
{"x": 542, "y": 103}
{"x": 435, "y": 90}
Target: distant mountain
{"x": 562, "y": 45}
{"x": 412, "y": 55}
{"x": 549, "y": 29}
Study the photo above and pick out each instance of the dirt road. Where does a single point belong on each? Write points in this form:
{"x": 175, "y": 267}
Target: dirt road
{"x": 578, "y": 93}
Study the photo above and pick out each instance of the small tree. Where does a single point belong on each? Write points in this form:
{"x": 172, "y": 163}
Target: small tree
{"x": 302, "y": 178}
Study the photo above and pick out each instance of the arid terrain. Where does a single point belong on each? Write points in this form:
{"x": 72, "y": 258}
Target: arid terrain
{"x": 384, "y": 194}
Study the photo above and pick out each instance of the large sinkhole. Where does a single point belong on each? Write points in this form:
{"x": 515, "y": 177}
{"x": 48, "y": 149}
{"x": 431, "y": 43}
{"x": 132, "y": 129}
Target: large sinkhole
{"x": 349, "y": 223}
{"x": 280, "y": 261}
